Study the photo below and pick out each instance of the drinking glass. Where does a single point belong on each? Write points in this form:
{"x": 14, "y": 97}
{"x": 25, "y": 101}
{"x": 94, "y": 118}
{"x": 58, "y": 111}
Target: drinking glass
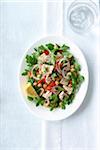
{"x": 82, "y": 15}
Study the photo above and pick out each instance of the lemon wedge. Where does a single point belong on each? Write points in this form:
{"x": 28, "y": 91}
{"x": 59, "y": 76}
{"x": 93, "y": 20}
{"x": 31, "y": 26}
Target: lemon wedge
{"x": 30, "y": 90}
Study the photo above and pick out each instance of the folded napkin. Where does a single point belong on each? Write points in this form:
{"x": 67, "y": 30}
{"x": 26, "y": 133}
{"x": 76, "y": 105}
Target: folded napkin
{"x": 79, "y": 132}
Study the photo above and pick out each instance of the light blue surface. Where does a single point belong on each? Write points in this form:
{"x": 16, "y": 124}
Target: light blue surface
{"x": 19, "y": 28}
{"x": 21, "y": 24}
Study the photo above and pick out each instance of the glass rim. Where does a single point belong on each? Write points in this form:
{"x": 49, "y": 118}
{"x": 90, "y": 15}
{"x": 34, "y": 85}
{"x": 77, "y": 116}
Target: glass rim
{"x": 77, "y": 3}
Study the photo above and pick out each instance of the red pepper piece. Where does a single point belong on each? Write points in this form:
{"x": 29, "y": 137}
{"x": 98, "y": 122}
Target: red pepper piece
{"x": 46, "y": 52}
{"x": 51, "y": 84}
{"x": 42, "y": 80}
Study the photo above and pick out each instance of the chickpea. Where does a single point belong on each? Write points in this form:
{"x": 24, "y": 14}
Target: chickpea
{"x": 72, "y": 66}
{"x": 44, "y": 85}
{"x": 34, "y": 83}
{"x": 56, "y": 82}
{"x": 69, "y": 73}
{"x": 39, "y": 85}
{"x": 72, "y": 69}
{"x": 69, "y": 85}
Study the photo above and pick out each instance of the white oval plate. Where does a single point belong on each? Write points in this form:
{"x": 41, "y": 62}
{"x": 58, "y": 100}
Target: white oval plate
{"x": 58, "y": 114}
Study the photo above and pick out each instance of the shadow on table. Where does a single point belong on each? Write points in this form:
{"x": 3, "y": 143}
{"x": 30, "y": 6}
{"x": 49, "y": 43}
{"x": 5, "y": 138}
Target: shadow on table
{"x": 89, "y": 94}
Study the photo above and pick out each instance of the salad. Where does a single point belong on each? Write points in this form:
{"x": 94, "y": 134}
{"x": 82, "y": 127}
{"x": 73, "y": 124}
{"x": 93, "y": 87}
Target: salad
{"x": 53, "y": 76}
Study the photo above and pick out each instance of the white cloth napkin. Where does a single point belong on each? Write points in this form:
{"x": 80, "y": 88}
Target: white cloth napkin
{"x": 76, "y": 132}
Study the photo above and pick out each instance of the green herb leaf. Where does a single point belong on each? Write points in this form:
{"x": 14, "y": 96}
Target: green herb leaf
{"x": 58, "y": 46}
{"x": 53, "y": 58}
{"x": 35, "y": 49}
{"x": 25, "y": 72}
{"x": 31, "y": 59}
{"x": 40, "y": 50}
{"x": 65, "y": 100}
{"x": 54, "y": 97}
{"x": 30, "y": 98}
{"x": 71, "y": 97}
{"x": 37, "y": 89}
{"x": 51, "y": 108}
{"x": 50, "y": 46}
{"x": 77, "y": 66}
{"x": 42, "y": 47}
{"x": 65, "y": 47}
{"x": 72, "y": 60}
{"x": 39, "y": 101}
{"x": 54, "y": 75}
{"x": 59, "y": 88}
{"x": 63, "y": 105}
{"x": 31, "y": 80}
{"x": 81, "y": 78}
{"x": 74, "y": 81}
